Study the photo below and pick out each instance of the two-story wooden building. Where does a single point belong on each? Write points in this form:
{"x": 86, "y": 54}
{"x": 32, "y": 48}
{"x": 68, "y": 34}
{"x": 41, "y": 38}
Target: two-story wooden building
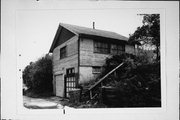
{"x": 80, "y": 52}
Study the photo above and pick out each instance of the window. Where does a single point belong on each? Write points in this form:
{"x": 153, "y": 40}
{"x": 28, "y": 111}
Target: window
{"x": 101, "y": 47}
{"x": 63, "y": 52}
{"x": 117, "y": 49}
{"x": 70, "y": 71}
{"x": 96, "y": 69}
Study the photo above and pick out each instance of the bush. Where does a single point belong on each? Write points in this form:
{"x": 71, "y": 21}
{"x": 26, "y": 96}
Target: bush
{"x": 37, "y": 76}
{"x": 138, "y": 82}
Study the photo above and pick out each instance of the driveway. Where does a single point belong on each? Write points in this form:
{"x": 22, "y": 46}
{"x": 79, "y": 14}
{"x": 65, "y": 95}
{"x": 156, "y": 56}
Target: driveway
{"x": 44, "y": 103}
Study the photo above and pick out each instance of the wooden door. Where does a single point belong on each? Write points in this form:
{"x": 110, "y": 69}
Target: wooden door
{"x": 60, "y": 85}
{"x": 70, "y": 81}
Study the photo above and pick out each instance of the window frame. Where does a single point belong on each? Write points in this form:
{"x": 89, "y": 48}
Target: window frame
{"x": 70, "y": 71}
{"x": 63, "y": 52}
{"x": 101, "y": 47}
{"x": 119, "y": 49}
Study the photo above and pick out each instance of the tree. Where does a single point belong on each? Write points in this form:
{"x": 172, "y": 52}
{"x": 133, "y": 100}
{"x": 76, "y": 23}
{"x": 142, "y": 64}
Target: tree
{"x": 27, "y": 75}
{"x": 148, "y": 33}
{"x": 37, "y": 76}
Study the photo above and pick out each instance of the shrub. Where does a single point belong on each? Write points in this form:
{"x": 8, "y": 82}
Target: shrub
{"x": 37, "y": 76}
{"x": 138, "y": 82}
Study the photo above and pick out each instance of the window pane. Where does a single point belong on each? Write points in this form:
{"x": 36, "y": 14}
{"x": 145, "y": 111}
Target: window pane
{"x": 113, "y": 46}
{"x": 63, "y": 52}
{"x": 101, "y": 47}
{"x": 117, "y": 49}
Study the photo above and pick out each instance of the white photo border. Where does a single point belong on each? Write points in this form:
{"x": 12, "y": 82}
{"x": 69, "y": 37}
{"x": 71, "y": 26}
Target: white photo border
{"x": 12, "y": 106}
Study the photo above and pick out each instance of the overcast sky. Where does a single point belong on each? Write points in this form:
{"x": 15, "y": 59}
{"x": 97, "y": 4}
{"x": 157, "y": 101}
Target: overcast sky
{"x": 35, "y": 29}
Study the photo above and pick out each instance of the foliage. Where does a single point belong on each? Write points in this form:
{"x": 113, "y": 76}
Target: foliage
{"x": 37, "y": 76}
{"x": 130, "y": 61}
{"x": 148, "y": 33}
{"x": 27, "y": 75}
{"x": 138, "y": 82}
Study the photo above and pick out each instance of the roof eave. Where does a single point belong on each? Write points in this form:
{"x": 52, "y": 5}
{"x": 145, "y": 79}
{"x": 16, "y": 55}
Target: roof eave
{"x": 55, "y": 39}
{"x": 57, "y": 35}
{"x": 69, "y": 29}
{"x": 94, "y": 36}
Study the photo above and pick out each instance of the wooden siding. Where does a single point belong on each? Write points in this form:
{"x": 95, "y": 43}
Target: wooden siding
{"x": 88, "y": 59}
{"x": 85, "y": 74}
{"x": 72, "y": 55}
{"x": 60, "y": 65}
{"x": 87, "y": 55}
{"x": 64, "y": 36}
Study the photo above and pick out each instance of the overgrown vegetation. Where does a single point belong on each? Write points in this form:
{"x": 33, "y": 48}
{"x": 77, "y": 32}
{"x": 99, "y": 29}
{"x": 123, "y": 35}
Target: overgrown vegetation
{"x": 138, "y": 83}
{"x": 37, "y": 76}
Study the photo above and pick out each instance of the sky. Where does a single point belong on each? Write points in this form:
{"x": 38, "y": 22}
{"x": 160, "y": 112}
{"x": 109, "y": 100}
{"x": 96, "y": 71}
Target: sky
{"x": 35, "y": 29}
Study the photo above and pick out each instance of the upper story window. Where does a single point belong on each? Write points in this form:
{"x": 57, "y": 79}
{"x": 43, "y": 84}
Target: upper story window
{"x": 117, "y": 49}
{"x": 101, "y": 47}
{"x": 63, "y": 52}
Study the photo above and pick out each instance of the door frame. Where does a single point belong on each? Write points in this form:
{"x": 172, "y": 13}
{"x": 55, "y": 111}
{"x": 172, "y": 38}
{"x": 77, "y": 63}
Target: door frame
{"x": 70, "y": 75}
{"x": 56, "y": 82}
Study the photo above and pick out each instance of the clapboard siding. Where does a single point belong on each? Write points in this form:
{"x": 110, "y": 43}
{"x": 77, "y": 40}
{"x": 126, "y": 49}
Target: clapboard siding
{"x": 88, "y": 59}
{"x": 87, "y": 55}
{"x": 60, "y": 65}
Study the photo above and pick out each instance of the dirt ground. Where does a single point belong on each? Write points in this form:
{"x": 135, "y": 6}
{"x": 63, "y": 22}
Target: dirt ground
{"x": 44, "y": 103}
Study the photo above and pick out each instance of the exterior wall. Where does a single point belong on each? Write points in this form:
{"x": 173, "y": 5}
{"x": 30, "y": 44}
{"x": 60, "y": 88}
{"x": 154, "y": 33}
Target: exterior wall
{"x": 64, "y": 36}
{"x": 85, "y": 74}
{"x": 87, "y": 55}
{"x": 71, "y": 60}
{"x": 88, "y": 59}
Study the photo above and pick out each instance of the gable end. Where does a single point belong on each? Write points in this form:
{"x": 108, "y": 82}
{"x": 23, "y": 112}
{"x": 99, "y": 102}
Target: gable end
{"x": 62, "y": 35}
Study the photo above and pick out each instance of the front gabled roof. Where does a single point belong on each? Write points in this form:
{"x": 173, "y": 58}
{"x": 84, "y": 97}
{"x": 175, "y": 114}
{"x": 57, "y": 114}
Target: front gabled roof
{"x": 84, "y": 31}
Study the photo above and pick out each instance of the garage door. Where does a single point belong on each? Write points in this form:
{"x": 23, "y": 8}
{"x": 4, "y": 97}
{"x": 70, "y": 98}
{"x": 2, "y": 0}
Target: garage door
{"x": 60, "y": 85}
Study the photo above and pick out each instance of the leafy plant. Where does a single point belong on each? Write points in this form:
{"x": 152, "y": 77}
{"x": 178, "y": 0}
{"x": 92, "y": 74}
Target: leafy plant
{"x": 138, "y": 82}
{"x": 37, "y": 76}
{"x": 149, "y": 33}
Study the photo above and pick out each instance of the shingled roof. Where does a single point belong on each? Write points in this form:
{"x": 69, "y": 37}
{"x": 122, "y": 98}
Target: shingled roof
{"x": 94, "y": 32}
{"x": 90, "y": 32}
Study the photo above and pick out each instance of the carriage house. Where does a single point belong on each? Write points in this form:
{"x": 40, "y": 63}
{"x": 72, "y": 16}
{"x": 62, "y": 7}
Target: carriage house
{"x": 79, "y": 54}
